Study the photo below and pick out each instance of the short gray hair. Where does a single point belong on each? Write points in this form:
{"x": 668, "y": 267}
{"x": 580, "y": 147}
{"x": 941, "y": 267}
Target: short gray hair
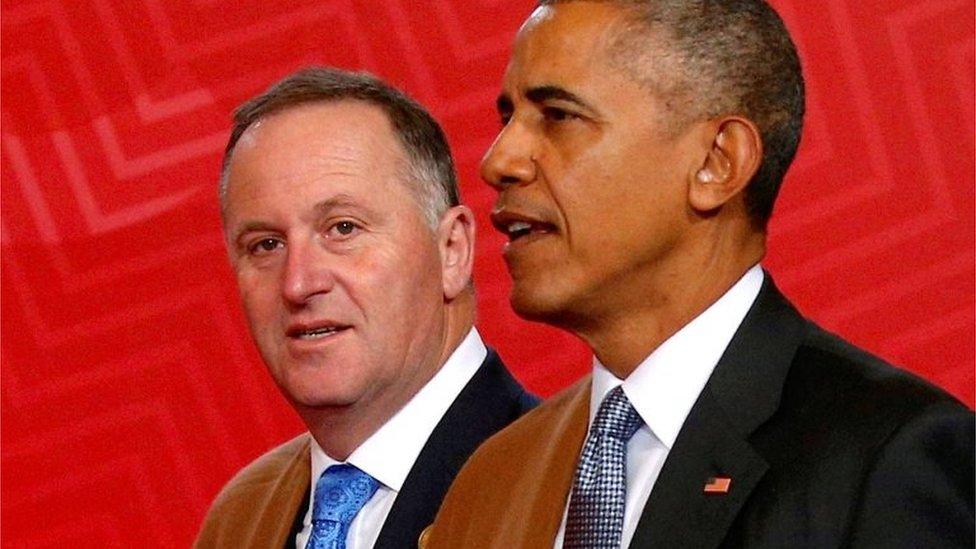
{"x": 431, "y": 167}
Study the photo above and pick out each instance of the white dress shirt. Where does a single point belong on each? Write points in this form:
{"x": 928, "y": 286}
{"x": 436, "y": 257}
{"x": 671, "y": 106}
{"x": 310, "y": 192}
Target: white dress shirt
{"x": 388, "y": 454}
{"x": 665, "y": 386}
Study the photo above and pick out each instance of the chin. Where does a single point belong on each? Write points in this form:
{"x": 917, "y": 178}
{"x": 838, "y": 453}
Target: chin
{"x": 320, "y": 399}
{"x": 316, "y": 392}
{"x": 535, "y": 306}
{"x": 550, "y": 307}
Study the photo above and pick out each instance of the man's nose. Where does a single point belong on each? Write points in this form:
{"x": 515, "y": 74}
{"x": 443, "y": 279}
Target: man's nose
{"x": 511, "y": 158}
{"x": 307, "y": 272}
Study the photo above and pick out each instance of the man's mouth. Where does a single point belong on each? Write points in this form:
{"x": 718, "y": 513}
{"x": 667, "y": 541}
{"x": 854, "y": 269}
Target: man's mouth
{"x": 308, "y": 333}
{"x": 516, "y": 226}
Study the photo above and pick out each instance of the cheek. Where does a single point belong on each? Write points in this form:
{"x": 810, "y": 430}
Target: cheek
{"x": 402, "y": 287}
{"x": 593, "y": 209}
{"x": 402, "y": 265}
{"x": 592, "y": 182}
{"x": 259, "y": 300}
{"x": 372, "y": 282}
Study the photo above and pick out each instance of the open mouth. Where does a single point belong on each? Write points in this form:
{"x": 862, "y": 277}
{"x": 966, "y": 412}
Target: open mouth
{"x": 519, "y": 229}
{"x": 517, "y": 226}
{"x": 315, "y": 332}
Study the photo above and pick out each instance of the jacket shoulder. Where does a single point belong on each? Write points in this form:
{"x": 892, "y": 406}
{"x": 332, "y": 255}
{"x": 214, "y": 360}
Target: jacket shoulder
{"x": 832, "y": 372}
{"x": 249, "y": 491}
{"x": 524, "y": 433}
{"x": 263, "y": 472}
{"x": 518, "y": 476}
{"x": 841, "y": 407}
{"x": 527, "y": 440}
{"x": 890, "y": 452}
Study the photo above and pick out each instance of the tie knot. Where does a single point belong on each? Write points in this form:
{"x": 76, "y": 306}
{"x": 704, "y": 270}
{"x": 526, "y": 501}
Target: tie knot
{"x": 341, "y": 492}
{"x": 617, "y": 417}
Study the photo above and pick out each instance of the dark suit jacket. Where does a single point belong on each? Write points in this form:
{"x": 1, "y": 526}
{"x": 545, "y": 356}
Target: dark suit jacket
{"x": 826, "y": 446}
{"x": 263, "y": 505}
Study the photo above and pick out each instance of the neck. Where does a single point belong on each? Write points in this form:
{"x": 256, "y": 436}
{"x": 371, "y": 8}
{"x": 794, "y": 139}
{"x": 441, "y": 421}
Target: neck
{"x": 654, "y": 308}
{"x": 339, "y": 430}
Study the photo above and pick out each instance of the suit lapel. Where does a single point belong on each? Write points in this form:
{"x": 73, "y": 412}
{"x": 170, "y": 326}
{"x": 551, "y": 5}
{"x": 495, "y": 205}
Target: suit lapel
{"x": 489, "y": 402}
{"x": 285, "y": 499}
{"x": 678, "y": 512}
{"x": 299, "y": 521}
{"x": 554, "y": 467}
{"x": 743, "y": 392}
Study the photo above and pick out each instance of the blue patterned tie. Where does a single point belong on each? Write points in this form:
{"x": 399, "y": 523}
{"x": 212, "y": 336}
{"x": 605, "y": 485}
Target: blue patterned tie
{"x": 340, "y": 493}
{"x": 596, "y": 506}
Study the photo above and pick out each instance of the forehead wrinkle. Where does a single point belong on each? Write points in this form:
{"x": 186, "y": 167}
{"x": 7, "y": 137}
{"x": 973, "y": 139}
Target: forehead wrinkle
{"x": 338, "y": 163}
{"x": 338, "y": 160}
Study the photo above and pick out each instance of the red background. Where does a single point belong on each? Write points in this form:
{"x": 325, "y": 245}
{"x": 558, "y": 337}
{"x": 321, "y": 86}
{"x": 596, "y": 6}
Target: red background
{"x": 131, "y": 391}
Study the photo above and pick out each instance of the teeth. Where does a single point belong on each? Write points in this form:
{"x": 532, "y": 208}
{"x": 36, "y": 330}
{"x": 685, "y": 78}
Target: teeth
{"x": 317, "y": 333}
{"x": 518, "y": 226}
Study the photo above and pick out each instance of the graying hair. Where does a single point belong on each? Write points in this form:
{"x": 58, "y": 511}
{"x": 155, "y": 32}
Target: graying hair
{"x": 718, "y": 57}
{"x": 430, "y": 167}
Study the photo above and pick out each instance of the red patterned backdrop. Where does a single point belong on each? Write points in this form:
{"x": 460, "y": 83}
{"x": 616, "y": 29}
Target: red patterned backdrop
{"x": 131, "y": 391}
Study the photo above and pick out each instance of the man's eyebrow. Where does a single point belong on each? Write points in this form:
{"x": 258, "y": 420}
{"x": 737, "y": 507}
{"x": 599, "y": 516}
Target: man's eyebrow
{"x": 540, "y": 94}
{"x": 252, "y": 226}
{"x": 504, "y": 103}
{"x": 337, "y": 201}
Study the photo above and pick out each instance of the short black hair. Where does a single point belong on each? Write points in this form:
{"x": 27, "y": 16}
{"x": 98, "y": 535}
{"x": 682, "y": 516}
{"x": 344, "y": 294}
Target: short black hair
{"x": 730, "y": 57}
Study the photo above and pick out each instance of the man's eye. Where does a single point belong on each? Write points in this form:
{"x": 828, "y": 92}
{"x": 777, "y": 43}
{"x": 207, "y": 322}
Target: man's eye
{"x": 555, "y": 114}
{"x": 505, "y": 117}
{"x": 343, "y": 228}
{"x": 265, "y": 246}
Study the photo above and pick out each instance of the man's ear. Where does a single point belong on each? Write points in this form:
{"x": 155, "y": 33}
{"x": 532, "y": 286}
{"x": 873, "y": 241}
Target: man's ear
{"x": 732, "y": 158}
{"x": 455, "y": 241}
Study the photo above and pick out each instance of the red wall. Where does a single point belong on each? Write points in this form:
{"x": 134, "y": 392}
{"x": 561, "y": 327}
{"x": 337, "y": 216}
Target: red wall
{"x": 131, "y": 391}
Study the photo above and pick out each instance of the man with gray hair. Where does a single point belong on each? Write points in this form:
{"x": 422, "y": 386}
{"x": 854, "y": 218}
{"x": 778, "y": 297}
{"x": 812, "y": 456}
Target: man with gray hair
{"x": 353, "y": 257}
{"x": 642, "y": 146}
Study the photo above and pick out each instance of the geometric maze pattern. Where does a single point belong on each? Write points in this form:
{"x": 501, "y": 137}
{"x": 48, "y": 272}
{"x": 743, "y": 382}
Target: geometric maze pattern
{"x": 131, "y": 390}
{"x": 874, "y": 237}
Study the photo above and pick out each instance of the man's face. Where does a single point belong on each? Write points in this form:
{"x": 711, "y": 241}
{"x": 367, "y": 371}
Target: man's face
{"x": 592, "y": 186}
{"x": 338, "y": 272}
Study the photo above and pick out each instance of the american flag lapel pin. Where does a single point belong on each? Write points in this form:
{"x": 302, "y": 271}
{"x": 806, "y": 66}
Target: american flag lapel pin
{"x": 718, "y": 485}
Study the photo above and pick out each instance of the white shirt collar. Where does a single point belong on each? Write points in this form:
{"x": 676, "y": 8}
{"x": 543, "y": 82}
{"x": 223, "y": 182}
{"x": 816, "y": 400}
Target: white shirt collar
{"x": 389, "y": 453}
{"x": 665, "y": 386}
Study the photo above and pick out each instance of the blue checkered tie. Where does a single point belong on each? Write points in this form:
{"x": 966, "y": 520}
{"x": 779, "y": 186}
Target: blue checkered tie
{"x": 596, "y": 506}
{"x": 340, "y": 493}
